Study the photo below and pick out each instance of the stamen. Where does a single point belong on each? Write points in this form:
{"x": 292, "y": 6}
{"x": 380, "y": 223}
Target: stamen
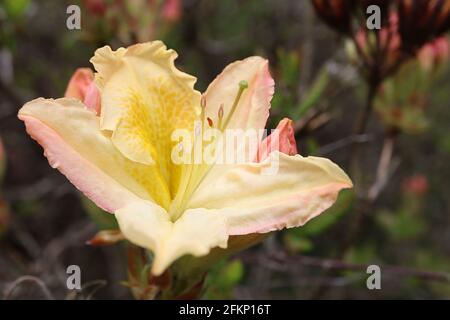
{"x": 203, "y": 102}
{"x": 203, "y": 107}
{"x": 197, "y": 171}
{"x": 198, "y": 129}
{"x": 220, "y": 115}
{"x": 242, "y": 86}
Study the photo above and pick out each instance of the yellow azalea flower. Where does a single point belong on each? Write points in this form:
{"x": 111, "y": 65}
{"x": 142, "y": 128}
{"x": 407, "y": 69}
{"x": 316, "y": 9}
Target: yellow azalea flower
{"x": 119, "y": 154}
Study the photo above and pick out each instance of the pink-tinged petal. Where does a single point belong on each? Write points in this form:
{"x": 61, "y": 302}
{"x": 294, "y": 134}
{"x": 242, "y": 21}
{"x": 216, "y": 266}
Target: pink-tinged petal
{"x": 254, "y": 198}
{"x": 79, "y": 84}
{"x": 282, "y": 139}
{"x": 253, "y": 108}
{"x": 74, "y": 144}
{"x": 148, "y": 225}
{"x": 82, "y": 87}
{"x": 96, "y": 186}
{"x": 92, "y": 98}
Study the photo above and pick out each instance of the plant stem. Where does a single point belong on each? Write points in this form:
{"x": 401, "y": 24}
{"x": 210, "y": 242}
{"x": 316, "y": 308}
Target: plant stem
{"x": 359, "y": 129}
{"x": 384, "y": 165}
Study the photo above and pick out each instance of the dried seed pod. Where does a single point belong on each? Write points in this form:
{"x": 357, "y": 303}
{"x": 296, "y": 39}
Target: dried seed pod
{"x": 336, "y": 13}
{"x": 421, "y": 21}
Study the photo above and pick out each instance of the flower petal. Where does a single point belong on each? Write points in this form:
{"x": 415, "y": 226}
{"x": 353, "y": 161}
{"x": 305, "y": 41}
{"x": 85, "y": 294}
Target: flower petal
{"x": 82, "y": 87}
{"x": 253, "y": 108}
{"x": 255, "y": 202}
{"x": 73, "y": 143}
{"x": 282, "y": 139}
{"x": 148, "y": 225}
{"x": 92, "y": 98}
{"x": 79, "y": 83}
{"x": 144, "y": 98}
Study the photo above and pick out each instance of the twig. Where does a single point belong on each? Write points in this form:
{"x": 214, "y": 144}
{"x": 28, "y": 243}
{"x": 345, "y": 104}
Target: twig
{"x": 307, "y": 47}
{"x": 12, "y": 94}
{"x": 35, "y": 190}
{"x": 364, "y": 58}
{"x": 360, "y": 128}
{"x": 302, "y": 123}
{"x": 366, "y": 200}
{"x": 284, "y": 260}
{"x": 384, "y": 166}
{"x": 24, "y": 238}
{"x": 342, "y": 143}
{"x": 16, "y": 283}
{"x": 94, "y": 286}
{"x": 77, "y": 235}
{"x": 310, "y": 282}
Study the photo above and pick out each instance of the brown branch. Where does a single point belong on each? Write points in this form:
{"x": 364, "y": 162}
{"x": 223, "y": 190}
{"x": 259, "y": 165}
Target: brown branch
{"x": 359, "y": 129}
{"x": 282, "y": 260}
{"x": 344, "y": 142}
{"x": 384, "y": 166}
{"x": 11, "y": 94}
{"x": 16, "y": 283}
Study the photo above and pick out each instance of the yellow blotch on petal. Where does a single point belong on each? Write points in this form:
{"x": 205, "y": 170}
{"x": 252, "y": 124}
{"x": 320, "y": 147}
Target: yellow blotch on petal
{"x": 145, "y": 98}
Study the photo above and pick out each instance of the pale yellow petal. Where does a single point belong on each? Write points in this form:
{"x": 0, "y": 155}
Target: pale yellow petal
{"x": 253, "y": 108}
{"x": 144, "y": 98}
{"x": 255, "y": 200}
{"x": 74, "y": 143}
{"x": 145, "y": 224}
{"x": 195, "y": 233}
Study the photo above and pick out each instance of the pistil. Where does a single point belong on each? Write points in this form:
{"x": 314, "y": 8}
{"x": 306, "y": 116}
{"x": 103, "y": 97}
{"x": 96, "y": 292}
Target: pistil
{"x": 195, "y": 173}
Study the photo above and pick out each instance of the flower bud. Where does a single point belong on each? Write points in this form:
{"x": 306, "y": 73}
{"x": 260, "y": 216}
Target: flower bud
{"x": 416, "y": 185}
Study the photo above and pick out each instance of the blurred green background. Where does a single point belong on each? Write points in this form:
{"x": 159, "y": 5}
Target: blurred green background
{"x": 45, "y": 222}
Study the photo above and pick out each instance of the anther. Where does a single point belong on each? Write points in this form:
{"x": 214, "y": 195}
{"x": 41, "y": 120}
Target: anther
{"x": 242, "y": 86}
{"x": 203, "y": 102}
{"x": 203, "y": 107}
{"x": 220, "y": 116}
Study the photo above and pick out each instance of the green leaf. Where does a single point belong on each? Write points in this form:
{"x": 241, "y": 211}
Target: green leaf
{"x": 103, "y": 219}
{"x": 311, "y": 146}
{"x": 314, "y": 93}
{"x": 15, "y": 8}
{"x": 401, "y": 225}
{"x": 289, "y": 66}
{"x": 332, "y": 215}
{"x": 232, "y": 273}
{"x": 223, "y": 278}
{"x": 297, "y": 242}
